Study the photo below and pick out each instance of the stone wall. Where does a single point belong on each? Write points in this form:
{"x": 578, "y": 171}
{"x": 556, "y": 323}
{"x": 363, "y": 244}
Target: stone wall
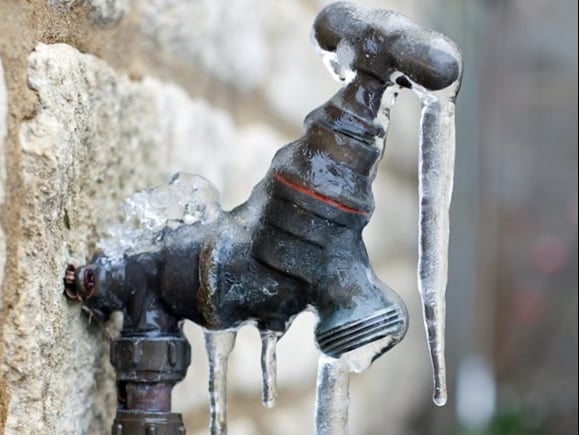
{"x": 100, "y": 98}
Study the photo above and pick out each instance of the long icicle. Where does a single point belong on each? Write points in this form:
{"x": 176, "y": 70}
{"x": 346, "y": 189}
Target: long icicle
{"x": 437, "y": 150}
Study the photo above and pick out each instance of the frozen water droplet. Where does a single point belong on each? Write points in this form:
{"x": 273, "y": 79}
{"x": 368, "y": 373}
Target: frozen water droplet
{"x": 219, "y": 345}
{"x": 269, "y": 341}
{"x": 437, "y": 149}
{"x": 440, "y": 395}
{"x": 332, "y": 392}
{"x": 165, "y": 200}
{"x": 162, "y": 197}
{"x": 187, "y": 199}
{"x": 197, "y": 196}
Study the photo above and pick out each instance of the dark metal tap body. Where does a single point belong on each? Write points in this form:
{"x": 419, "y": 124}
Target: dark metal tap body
{"x": 296, "y": 243}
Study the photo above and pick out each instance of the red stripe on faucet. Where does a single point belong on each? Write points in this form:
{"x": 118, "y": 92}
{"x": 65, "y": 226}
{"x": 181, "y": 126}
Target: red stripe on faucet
{"x": 318, "y": 196}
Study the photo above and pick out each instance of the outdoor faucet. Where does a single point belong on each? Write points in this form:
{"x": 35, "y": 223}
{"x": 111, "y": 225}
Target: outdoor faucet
{"x": 296, "y": 243}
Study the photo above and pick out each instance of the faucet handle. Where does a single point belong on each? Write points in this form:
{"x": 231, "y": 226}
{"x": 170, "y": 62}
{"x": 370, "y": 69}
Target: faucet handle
{"x": 383, "y": 43}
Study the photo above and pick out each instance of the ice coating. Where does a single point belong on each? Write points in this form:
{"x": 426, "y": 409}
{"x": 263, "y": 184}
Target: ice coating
{"x": 269, "y": 341}
{"x": 380, "y": 42}
{"x": 437, "y": 149}
{"x": 333, "y": 385}
{"x": 389, "y": 46}
{"x": 429, "y": 64}
{"x": 436, "y": 174}
{"x": 339, "y": 62}
{"x": 187, "y": 199}
{"x": 219, "y": 345}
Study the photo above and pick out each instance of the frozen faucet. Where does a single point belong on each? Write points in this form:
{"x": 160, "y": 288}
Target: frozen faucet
{"x": 295, "y": 244}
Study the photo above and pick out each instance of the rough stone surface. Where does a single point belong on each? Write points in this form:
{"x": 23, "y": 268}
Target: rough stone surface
{"x": 3, "y": 128}
{"x": 102, "y": 11}
{"x": 210, "y": 32}
{"x": 92, "y": 130}
{"x": 295, "y": 66}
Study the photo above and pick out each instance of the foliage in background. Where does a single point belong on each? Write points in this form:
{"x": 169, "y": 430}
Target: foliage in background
{"x": 510, "y": 421}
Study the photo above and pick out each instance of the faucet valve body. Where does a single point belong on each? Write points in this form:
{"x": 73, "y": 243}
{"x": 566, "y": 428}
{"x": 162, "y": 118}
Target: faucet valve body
{"x": 296, "y": 243}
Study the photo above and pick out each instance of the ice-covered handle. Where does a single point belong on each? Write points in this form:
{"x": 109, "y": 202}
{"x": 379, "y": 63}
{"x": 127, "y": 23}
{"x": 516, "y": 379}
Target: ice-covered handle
{"x": 382, "y": 43}
{"x": 388, "y": 46}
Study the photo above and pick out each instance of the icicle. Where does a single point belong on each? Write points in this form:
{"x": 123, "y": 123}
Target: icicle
{"x": 437, "y": 147}
{"x": 332, "y": 393}
{"x": 269, "y": 341}
{"x": 332, "y": 397}
{"x": 219, "y": 345}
